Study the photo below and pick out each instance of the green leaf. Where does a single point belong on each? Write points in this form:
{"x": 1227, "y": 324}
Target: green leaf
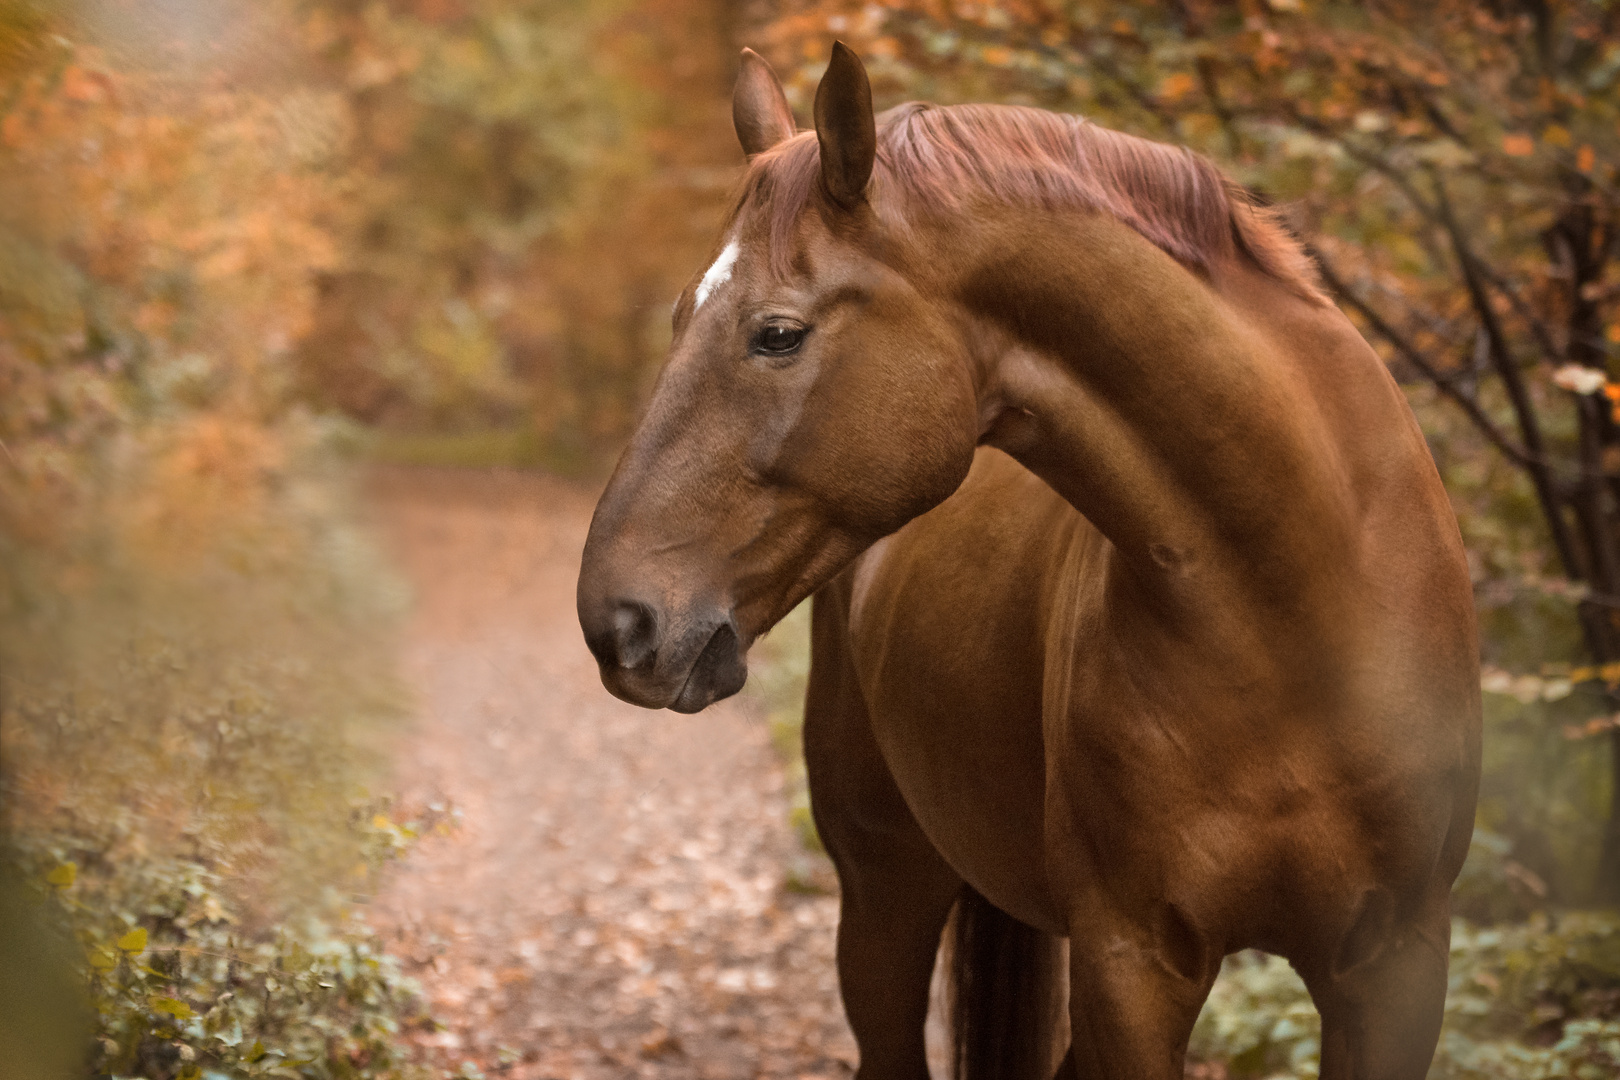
{"x": 134, "y": 941}
{"x": 63, "y": 876}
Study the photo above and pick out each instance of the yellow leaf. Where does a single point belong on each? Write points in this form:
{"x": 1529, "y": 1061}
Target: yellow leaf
{"x": 1581, "y": 674}
{"x": 173, "y": 1006}
{"x": 63, "y": 876}
{"x": 1556, "y": 135}
{"x": 102, "y": 960}
{"x": 380, "y": 822}
{"x": 1518, "y": 145}
{"x": 134, "y": 941}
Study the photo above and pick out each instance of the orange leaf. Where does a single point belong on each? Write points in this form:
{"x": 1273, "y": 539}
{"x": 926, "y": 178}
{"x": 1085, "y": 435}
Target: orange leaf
{"x": 1177, "y": 86}
{"x": 1518, "y": 145}
{"x": 1585, "y": 159}
{"x": 997, "y": 56}
{"x": 83, "y": 86}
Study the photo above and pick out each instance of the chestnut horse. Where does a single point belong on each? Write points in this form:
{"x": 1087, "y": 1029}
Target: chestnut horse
{"x": 1141, "y": 619}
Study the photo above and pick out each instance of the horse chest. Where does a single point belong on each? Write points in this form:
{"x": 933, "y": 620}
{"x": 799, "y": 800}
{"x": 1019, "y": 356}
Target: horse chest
{"x": 957, "y": 718}
{"x": 972, "y": 773}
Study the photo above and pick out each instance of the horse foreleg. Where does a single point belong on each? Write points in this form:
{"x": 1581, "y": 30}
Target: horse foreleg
{"x": 1136, "y": 986}
{"x": 1382, "y": 1006}
{"x": 892, "y": 912}
{"x": 896, "y": 889}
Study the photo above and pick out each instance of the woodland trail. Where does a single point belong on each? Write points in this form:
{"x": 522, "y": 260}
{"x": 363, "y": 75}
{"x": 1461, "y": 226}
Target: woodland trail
{"x": 615, "y": 900}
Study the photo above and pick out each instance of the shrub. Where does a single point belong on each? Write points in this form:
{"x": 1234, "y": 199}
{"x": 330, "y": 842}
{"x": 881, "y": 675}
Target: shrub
{"x": 183, "y": 987}
{"x": 1536, "y": 1000}
{"x": 195, "y": 648}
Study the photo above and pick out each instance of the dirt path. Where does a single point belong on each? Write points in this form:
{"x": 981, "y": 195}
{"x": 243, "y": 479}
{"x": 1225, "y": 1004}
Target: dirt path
{"x": 615, "y": 900}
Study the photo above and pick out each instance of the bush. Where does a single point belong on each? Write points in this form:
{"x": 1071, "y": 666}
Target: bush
{"x": 196, "y": 684}
{"x": 1536, "y": 1000}
{"x": 183, "y": 987}
{"x": 188, "y": 760}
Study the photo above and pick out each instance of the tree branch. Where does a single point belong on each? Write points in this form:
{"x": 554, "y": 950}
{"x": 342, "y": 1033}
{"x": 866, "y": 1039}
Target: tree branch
{"x": 1513, "y": 380}
{"x": 1414, "y": 356}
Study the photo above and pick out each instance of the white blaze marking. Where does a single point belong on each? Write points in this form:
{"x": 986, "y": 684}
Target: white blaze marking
{"x": 718, "y": 274}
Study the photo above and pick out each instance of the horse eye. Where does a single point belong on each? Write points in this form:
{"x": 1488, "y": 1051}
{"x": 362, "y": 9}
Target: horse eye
{"x": 779, "y": 339}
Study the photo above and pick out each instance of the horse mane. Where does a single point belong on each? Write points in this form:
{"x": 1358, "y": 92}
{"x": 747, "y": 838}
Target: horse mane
{"x": 942, "y": 159}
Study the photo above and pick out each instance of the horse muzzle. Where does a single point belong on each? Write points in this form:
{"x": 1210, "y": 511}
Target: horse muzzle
{"x": 650, "y": 659}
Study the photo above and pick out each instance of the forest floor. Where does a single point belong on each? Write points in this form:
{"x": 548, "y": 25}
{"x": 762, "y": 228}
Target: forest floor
{"x": 621, "y": 893}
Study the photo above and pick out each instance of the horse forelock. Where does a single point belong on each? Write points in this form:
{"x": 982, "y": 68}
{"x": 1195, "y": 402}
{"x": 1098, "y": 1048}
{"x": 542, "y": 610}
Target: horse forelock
{"x": 942, "y": 159}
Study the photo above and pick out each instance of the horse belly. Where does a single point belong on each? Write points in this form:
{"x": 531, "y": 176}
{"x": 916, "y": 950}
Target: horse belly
{"x": 946, "y": 634}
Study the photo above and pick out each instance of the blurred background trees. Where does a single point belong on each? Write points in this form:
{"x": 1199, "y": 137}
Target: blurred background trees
{"x": 530, "y": 180}
{"x": 243, "y": 243}
{"x": 530, "y": 183}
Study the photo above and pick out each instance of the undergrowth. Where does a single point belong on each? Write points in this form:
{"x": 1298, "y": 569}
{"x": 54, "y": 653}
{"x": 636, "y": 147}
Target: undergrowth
{"x": 190, "y": 750}
{"x": 1534, "y": 1000}
{"x": 185, "y": 986}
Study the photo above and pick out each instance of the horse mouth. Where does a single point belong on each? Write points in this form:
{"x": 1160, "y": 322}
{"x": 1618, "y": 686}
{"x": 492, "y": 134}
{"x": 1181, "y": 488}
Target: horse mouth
{"x": 721, "y": 670}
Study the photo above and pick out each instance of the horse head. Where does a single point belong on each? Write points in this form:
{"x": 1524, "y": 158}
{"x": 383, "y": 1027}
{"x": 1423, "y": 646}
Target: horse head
{"x": 814, "y": 399}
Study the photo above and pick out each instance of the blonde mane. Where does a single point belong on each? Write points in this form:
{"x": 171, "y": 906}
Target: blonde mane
{"x": 941, "y": 159}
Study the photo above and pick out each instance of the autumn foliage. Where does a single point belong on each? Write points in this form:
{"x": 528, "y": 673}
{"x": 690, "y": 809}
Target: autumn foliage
{"x": 236, "y": 241}
{"x": 240, "y": 243}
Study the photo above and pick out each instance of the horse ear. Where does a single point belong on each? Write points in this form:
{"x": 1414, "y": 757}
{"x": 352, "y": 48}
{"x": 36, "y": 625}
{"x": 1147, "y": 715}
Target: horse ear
{"x": 759, "y": 109}
{"x": 845, "y": 127}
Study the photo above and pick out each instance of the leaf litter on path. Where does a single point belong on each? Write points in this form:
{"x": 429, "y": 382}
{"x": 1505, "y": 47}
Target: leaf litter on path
{"x": 624, "y": 895}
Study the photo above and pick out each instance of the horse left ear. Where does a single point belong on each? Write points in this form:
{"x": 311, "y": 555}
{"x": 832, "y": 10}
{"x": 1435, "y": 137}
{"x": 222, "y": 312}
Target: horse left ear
{"x": 845, "y": 127}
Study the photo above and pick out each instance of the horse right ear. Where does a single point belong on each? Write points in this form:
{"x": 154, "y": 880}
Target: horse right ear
{"x": 759, "y": 109}
{"x": 845, "y": 127}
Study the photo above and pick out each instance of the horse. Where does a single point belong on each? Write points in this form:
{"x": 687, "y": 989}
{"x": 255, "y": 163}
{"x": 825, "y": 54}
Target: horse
{"x": 1142, "y": 629}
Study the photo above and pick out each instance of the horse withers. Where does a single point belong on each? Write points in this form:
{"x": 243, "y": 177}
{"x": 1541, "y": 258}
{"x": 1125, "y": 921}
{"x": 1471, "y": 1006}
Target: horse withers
{"x": 1141, "y": 619}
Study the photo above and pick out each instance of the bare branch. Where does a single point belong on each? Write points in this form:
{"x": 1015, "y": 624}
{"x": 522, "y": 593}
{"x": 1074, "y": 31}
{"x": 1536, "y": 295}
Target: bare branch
{"x": 1414, "y": 356}
{"x": 1538, "y": 328}
{"x": 1513, "y": 380}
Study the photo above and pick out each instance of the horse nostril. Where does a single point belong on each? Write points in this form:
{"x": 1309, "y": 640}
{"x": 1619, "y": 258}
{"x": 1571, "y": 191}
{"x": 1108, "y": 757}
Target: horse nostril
{"x": 635, "y": 633}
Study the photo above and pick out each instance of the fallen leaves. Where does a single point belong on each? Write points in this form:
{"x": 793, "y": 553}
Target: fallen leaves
{"x": 617, "y": 902}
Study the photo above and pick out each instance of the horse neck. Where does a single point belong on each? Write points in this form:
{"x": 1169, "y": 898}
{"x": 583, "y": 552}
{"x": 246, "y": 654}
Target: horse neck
{"x": 1154, "y": 404}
